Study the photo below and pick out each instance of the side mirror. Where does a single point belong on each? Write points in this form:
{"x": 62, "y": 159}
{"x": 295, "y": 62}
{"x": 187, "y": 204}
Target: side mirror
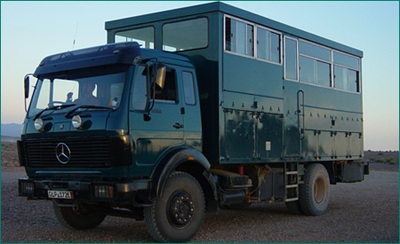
{"x": 144, "y": 90}
{"x": 160, "y": 75}
{"x": 26, "y": 86}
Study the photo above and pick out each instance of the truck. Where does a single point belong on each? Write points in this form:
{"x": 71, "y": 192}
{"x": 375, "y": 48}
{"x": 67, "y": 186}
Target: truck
{"x": 190, "y": 110}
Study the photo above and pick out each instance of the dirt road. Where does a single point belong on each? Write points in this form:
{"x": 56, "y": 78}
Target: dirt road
{"x": 359, "y": 212}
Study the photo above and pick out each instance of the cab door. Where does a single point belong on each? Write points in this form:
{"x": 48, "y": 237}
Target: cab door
{"x": 163, "y": 128}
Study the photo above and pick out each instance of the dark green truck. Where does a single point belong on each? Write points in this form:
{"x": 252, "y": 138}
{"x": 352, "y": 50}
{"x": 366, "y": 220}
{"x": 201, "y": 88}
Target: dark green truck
{"x": 190, "y": 110}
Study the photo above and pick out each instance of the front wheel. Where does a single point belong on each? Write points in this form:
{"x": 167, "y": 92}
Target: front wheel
{"x": 177, "y": 215}
{"x": 79, "y": 217}
{"x": 314, "y": 193}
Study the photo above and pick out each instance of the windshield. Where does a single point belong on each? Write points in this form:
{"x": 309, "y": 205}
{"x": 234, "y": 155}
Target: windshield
{"x": 103, "y": 90}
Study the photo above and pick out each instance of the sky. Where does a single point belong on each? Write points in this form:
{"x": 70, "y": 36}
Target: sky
{"x": 32, "y": 30}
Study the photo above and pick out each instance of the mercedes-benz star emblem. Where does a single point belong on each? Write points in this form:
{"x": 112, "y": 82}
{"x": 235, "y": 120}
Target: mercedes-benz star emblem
{"x": 63, "y": 153}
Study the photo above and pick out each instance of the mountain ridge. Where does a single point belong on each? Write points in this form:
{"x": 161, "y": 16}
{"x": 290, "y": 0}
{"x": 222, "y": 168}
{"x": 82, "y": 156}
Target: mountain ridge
{"x": 11, "y": 129}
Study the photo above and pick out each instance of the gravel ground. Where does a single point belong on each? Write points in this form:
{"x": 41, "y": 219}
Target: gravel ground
{"x": 358, "y": 212}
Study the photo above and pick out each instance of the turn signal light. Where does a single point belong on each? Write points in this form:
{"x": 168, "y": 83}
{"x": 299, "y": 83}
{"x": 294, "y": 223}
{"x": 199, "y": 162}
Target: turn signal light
{"x": 104, "y": 191}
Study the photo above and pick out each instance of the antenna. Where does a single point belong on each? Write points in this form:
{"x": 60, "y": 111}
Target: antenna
{"x": 76, "y": 31}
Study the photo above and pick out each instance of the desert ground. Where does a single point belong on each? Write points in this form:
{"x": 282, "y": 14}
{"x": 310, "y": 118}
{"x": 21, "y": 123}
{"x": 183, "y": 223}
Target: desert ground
{"x": 358, "y": 212}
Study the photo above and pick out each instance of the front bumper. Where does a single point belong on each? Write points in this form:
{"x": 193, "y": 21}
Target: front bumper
{"x": 115, "y": 193}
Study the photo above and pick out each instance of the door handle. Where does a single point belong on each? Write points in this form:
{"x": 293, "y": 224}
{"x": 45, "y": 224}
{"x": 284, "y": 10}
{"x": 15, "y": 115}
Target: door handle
{"x": 178, "y": 126}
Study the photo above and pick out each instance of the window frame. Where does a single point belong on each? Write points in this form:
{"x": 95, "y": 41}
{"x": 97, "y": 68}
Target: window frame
{"x": 136, "y": 89}
{"x": 346, "y": 54}
{"x": 330, "y": 62}
{"x": 185, "y": 20}
{"x": 349, "y": 68}
{"x": 172, "y": 69}
{"x": 193, "y": 90}
{"x": 318, "y": 46}
{"x": 316, "y": 60}
{"x": 316, "y": 74}
{"x": 280, "y": 44}
{"x": 246, "y": 31}
{"x": 297, "y": 60}
{"x": 254, "y": 40}
{"x": 141, "y": 27}
{"x": 358, "y": 74}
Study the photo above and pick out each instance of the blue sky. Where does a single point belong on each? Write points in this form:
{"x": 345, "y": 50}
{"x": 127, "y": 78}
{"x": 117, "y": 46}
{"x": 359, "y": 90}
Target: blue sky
{"x": 32, "y": 30}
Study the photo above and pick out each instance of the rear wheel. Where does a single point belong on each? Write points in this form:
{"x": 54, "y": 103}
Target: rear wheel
{"x": 177, "y": 215}
{"x": 315, "y": 192}
{"x": 79, "y": 217}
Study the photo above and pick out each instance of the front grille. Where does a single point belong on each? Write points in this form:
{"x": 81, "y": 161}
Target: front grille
{"x": 85, "y": 153}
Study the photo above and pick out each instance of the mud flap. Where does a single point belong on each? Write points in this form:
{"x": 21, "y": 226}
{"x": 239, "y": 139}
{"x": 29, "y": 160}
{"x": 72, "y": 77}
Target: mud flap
{"x": 353, "y": 172}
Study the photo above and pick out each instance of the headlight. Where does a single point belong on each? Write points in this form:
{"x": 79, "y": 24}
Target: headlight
{"x": 39, "y": 125}
{"x": 76, "y": 121}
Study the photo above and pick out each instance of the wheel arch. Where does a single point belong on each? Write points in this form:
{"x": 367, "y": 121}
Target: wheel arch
{"x": 187, "y": 160}
{"x": 330, "y": 168}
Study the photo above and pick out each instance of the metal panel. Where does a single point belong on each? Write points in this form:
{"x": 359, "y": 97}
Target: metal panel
{"x": 270, "y": 137}
{"x": 239, "y": 136}
{"x": 326, "y": 145}
{"x": 353, "y": 172}
{"x": 341, "y": 144}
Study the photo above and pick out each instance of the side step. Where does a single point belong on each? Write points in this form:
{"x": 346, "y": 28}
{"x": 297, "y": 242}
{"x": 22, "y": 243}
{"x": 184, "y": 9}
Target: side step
{"x": 231, "y": 180}
{"x": 233, "y": 186}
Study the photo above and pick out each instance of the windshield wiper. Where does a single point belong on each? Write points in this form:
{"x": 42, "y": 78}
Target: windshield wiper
{"x": 87, "y": 107}
{"x": 53, "y": 108}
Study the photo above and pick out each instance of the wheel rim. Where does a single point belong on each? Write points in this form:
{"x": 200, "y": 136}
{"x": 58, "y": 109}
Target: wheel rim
{"x": 319, "y": 190}
{"x": 181, "y": 209}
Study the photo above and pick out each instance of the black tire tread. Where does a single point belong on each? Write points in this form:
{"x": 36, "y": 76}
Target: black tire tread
{"x": 151, "y": 225}
{"x": 306, "y": 195}
{"x": 151, "y": 218}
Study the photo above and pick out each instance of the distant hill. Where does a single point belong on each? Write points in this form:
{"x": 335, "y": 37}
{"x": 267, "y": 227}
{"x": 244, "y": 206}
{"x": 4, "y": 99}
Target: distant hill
{"x": 11, "y": 130}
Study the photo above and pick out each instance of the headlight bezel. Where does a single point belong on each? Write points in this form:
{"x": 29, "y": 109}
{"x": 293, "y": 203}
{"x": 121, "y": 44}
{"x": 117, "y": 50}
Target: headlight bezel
{"x": 39, "y": 124}
{"x": 77, "y": 122}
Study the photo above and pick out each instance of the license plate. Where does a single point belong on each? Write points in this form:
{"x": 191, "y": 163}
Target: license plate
{"x": 60, "y": 194}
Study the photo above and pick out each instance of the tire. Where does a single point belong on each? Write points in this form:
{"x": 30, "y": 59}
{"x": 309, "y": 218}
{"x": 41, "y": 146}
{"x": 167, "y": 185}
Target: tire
{"x": 81, "y": 217}
{"x": 177, "y": 215}
{"x": 314, "y": 193}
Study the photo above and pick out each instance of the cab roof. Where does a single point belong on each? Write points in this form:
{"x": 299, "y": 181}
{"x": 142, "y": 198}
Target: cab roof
{"x": 109, "y": 54}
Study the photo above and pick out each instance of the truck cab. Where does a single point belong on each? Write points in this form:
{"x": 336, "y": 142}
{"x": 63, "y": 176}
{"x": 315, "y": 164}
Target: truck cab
{"x": 117, "y": 149}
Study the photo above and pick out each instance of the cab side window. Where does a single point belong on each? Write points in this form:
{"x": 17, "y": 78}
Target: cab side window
{"x": 139, "y": 91}
{"x": 169, "y": 91}
{"x": 188, "y": 87}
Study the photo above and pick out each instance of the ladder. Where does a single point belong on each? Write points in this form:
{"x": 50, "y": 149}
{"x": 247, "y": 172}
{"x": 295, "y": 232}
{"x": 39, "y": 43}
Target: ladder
{"x": 291, "y": 182}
